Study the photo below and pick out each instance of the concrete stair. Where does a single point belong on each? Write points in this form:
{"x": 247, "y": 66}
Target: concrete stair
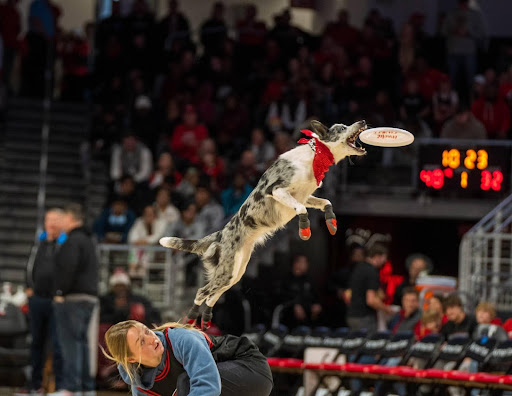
{"x": 20, "y": 153}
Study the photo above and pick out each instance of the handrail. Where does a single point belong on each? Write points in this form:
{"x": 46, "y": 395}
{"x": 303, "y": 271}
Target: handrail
{"x": 491, "y": 214}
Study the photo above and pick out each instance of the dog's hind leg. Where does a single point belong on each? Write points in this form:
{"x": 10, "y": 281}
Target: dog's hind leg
{"x": 326, "y": 206}
{"x": 222, "y": 281}
{"x": 282, "y": 196}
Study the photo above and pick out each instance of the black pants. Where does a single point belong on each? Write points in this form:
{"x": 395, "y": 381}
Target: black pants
{"x": 239, "y": 378}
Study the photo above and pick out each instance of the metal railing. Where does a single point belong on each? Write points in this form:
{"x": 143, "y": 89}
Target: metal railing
{"x": 485, "y": 260}
{"x": 160, "y": 276}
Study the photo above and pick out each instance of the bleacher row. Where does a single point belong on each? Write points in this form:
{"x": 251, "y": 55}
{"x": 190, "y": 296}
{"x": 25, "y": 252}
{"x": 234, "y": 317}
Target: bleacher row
{"x": 419, "y": 362}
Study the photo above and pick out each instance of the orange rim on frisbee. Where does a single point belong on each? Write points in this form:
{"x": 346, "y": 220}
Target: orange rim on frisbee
{"x": 386, "y": 137}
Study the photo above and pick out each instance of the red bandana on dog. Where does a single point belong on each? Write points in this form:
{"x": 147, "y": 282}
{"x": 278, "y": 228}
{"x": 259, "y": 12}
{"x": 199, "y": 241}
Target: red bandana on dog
{"x": 323, "y": 157}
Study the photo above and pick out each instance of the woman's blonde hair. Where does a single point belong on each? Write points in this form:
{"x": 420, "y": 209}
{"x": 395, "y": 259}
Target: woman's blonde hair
{"x": 430, "y": 316}
{"x": 117, "y": 346}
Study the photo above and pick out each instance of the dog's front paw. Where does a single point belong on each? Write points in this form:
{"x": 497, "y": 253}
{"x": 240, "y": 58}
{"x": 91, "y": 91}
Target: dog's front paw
{"x": 304, "y": 227}
{"x": 332, "y": 226}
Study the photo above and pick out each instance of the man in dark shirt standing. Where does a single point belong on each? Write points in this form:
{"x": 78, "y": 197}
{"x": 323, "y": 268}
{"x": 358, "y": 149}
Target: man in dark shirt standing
{"x": 458, "y": 321}
{"x": 365, "y": 284}
{"x": 75, "y": 300}
{"x": 40, "y": 291}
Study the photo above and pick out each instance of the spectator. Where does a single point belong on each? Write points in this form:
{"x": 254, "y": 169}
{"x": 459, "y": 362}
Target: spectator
{"x": 338, "y": 285}
{"x": 262, "y": 149}
{"x": 214, "y": 31}
{"x": 430, "y": 323}
{"x": 114, "y": 223}
{"x": 143, "y": 121}
{"x": 165, "y": 174}
{"x": 463, "y": 125}
{"x": 413, "y": 104}
{"x": 131, "y": 158}
{"x": 493, "y": 112}
{"x": 10, "y": 28}
{"x": 136, "y": 197}
{"x": 465, "y": 33}
{"x": 173, "y": 30}
{"x": 39, "y": 54}
{"x": 164, "y": 209}
{"x": 75, "y": 300}
{"x": 40, "y": 292}
{"x": 299, "y": 297}
{"x": 234, "y": 196}
{"x": 364, "y": 284}
{"x": 188, "y": 185}
{"x": 212, "y": 164}
{"x": 233, "y": 124}
{"x": 139, "y": 37}
{"x": 436, "y": 303}
{"x": 248, "y": 167}
{"x": 188, "y": 227}
{"x": 407, "y": 49}
{"x": 287, "y": 113}
{"x": 485, "y": 313}
{"x": 343, "y": 34}
{"x": 74, "y": 51}
{"x": 187, "y": 136}
{"x": 120, "y": 303}
{"x": 282, "y": 143}
{"x": 251, "y": 37}
{"x": 409, "y": 315}
{"x": 458, "y": 321}
{"x": 147, "y": 229}
{"x": 445, "y": 102}
{"x": 415, "y": 264}
{"x": 210, "y": 213}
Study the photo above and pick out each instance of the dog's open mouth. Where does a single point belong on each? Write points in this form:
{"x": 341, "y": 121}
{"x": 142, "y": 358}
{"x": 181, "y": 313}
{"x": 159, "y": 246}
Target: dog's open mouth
{"x": 352, "y": 140}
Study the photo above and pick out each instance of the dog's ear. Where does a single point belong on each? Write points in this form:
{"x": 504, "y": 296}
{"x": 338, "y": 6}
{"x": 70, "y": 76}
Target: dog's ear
{"x": 319, "y": 128}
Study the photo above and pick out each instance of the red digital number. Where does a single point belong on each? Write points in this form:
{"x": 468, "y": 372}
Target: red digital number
{"x": 497, "y": 178}
{"x": 491, "y": 180}
{"x": 433, "y": 178}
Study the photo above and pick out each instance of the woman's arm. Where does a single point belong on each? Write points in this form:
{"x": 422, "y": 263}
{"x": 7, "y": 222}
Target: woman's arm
{"x": 191, "y": 349}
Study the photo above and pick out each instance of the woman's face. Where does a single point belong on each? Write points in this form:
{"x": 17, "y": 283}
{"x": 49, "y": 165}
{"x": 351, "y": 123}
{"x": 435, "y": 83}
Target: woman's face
{"x": 145, "y": 346}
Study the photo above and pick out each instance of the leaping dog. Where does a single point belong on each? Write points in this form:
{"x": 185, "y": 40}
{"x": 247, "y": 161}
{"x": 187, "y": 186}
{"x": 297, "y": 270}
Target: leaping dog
{"x": 283, "y": 192}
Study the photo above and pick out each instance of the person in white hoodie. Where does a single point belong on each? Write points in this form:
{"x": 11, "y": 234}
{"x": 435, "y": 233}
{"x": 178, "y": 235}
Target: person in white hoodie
{"x": 146, "y": 230}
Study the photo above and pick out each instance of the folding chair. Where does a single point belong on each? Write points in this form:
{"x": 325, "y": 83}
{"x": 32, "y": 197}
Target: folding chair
{"x": 391, "y": 356}
{"x": 349, "y": 344}
{"x": 499, "y": 362}
{"x": 293, "y": 344}
{"x": 272, "y": 339}
{"x": 255, "y": 334}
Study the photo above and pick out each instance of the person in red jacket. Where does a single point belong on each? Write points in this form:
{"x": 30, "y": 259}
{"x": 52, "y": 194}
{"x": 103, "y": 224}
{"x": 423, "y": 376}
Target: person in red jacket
{"x": 187, "y": 136}
{"x": 493, "y": 112}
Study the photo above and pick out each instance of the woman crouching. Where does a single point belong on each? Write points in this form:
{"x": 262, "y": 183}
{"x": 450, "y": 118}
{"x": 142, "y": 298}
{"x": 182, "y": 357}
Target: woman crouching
{"x": 176, "y": 359}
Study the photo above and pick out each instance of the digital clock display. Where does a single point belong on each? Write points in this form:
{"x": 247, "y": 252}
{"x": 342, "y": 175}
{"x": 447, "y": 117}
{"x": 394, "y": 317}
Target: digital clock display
{"x": 472, "y": 169}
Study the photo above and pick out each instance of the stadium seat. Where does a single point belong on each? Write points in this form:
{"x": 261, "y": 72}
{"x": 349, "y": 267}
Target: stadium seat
{"x": 293, "y": 343}
{"x": 272, "y": 340}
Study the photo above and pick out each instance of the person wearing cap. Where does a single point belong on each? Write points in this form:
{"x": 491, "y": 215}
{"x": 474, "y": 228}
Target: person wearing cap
{"x": 187, "y": 136}
{"x": 415, "y": 264}
{"x": 120, "y": 303}
{"x": 132, "y": 158}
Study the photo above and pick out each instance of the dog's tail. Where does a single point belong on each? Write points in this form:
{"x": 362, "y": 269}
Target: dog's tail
{"x": 197, "y": 246}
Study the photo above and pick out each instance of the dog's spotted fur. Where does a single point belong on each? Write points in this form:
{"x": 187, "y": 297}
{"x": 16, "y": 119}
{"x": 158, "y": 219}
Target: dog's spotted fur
{"x": 283, "y": 192}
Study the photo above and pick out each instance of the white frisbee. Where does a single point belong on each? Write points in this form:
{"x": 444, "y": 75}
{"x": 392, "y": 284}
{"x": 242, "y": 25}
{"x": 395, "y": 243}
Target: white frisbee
{"x": 386, "y": 137}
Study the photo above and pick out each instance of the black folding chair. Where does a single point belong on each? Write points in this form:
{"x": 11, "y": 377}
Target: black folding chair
{"x": 293, "y": 343}
{"x": 255, "y": 334}
{"x": 272, "y": 340}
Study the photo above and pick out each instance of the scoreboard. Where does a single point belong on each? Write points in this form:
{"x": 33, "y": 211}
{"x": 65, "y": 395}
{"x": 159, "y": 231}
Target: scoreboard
{"x": 466, "y": 169}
